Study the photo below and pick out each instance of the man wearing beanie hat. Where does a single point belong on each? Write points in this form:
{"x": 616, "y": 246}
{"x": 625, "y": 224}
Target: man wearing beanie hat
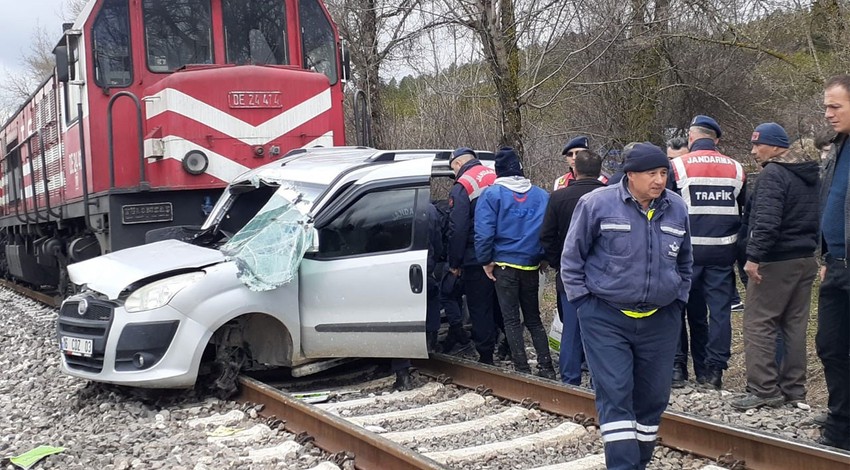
{"x": 573, "y": 147}
{"x": 508, "y": 218}
{"x": 471, "y": 179}
{"x": 783, "y": 235}
{"x": 713, "y": 187}
{"x": 626, "y": 267}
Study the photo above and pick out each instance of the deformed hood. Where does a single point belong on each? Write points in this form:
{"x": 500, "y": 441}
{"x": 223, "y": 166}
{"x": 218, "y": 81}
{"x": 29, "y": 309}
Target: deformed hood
{"x": 111, "y": 273}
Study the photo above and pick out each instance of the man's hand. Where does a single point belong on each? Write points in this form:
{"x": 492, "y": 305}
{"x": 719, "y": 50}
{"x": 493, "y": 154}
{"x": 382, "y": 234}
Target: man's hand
{"x": 822, "y": 273}
{"x": 752, "y": 270}
{"x": 488, "y": 270}
{"x": 456, "y": 271}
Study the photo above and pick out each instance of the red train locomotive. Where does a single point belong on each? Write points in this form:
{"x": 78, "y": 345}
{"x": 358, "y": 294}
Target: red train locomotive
{"x": 154, "y": 105}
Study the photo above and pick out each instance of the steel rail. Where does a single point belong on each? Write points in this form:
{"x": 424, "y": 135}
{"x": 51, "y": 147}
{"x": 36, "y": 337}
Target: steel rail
{"x": 710, "y": 439}
{"x": 332, "y": 433}
{"x": 46, "y": 299}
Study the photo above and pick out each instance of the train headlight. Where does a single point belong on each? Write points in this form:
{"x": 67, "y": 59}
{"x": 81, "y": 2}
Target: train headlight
{"x": 158, "y": 294}
{"x": 195, "y": 162}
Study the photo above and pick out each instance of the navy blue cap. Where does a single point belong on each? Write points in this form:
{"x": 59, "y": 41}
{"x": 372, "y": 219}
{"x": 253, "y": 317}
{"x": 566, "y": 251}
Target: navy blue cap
{"x": 770, "y": 133}
{"x": 644, "y": 157}
{"x": 707, "y": 122}
{"x": 579, "y": 142}
{"x": 461, "y": 151}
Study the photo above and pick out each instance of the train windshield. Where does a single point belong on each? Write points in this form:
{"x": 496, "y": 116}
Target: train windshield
{"x": 255, "y": 32}
{"x": 177, "y": 33}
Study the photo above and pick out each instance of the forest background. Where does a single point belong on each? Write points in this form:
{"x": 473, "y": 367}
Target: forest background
{"x": 534, "y": 73}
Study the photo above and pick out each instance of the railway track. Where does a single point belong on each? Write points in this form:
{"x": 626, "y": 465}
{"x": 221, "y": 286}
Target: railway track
{"x": 362, "y": 427}
{"x": 347, "y": 428}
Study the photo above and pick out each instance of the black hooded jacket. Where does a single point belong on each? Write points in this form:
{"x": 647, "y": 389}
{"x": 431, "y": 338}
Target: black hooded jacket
{"x": 784, "y": 221}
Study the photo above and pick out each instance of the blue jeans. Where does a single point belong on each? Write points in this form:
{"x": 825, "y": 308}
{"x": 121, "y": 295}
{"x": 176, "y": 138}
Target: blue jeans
{"x": 710, "y": 304}
{"x": 572, "y": 349}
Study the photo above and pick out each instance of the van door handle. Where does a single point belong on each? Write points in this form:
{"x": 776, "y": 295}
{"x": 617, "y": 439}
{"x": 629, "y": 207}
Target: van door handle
{"x": 416, "y": 278}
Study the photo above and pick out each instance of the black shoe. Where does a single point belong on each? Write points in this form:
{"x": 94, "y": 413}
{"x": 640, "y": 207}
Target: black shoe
{"x": 546, "y": 372}
{"x": 825, "y": 441}
{"x": 714, "y": 379}
{"x": 680, "y": 377}
{"x": 503, "y": 351}
{"x": 455, "y": 337}
{"x": 431, "y": 341}
{"x": 403, "y": 380}
{"x": 485, "y": 357}
{"x": 750, "y": 401}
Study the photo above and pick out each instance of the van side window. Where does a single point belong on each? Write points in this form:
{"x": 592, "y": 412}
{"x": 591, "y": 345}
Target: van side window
{"x": 378, "y": 221}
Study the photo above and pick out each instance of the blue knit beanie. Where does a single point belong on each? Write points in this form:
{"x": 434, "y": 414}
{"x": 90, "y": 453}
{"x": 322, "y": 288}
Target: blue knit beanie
{"x": 645, "y": 156}
{"x": 507, "y": 163}
{"x": 770, "y": 133}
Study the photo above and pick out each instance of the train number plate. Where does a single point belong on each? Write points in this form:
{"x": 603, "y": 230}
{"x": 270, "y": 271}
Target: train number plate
{"x": 147, "y": 213}
{"x": 76, "y": 346}
{"x": 254, "y": 99}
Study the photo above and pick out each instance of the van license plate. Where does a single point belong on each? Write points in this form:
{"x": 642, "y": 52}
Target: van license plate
{"x": 76, "y": 346}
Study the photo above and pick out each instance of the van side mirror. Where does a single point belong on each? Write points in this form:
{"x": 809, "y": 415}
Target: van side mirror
{"x": 61, "y": 54}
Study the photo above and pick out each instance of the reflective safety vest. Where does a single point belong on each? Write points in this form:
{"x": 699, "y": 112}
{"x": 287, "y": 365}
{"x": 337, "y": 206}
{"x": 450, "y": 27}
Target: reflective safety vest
{"x": 710, "y": 183}
{"x": 563, "y": 181}
{"x": 475, "y": 179}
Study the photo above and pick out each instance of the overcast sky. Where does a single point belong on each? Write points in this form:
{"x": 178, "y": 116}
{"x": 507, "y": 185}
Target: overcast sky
{"x": 17, "y": 24}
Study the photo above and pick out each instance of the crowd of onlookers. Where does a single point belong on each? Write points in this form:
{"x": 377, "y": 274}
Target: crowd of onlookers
{"x": 646, "y": 262}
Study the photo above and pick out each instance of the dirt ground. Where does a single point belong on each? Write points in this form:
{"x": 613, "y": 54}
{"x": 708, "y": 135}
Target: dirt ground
{"x": 734, "y": 379}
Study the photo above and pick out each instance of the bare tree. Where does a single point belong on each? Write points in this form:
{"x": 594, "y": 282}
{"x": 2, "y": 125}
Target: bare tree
{"x": 375, "y": 30}
{"x": 36, "y": 62}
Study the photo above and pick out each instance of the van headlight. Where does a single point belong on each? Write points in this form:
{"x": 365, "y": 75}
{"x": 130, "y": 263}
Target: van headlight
{"x": 158, "y": 294}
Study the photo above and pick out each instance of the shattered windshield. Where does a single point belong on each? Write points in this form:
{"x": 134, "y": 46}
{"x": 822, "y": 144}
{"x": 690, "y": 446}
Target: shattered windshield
{"x": 268, "y": 249}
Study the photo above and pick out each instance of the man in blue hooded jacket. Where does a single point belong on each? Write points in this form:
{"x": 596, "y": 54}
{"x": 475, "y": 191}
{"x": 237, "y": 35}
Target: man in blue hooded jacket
{"x": 508, "y": 219}
{"x": 627, "y": 267}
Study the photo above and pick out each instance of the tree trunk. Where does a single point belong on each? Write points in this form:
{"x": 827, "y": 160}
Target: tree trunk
{"x": 499, "y": 39}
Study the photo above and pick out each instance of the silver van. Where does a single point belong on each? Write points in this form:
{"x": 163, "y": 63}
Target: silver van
{"x": 317, "y": 256}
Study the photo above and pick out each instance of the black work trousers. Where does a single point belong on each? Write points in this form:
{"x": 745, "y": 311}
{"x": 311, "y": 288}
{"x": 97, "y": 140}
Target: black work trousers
{"x": 517, "y": 289}
{"x": 833, "y": 346}
{"x": 480, "y": 298}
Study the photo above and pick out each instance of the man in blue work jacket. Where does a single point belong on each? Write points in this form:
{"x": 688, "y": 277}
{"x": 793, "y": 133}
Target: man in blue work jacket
{"x": 627, "y": 268}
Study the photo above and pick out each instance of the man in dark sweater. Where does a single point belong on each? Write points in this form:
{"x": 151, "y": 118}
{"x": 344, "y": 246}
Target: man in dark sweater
{"x": 833, "y": 337}
{"x": 556, "y": 222}
{"x": 781, "y": 266}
